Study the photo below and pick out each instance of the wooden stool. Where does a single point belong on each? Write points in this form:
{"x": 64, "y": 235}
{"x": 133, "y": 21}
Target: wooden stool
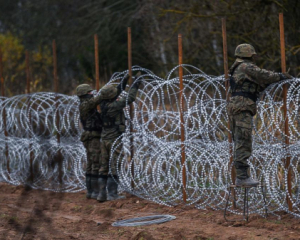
{"x": 246, "y": 202}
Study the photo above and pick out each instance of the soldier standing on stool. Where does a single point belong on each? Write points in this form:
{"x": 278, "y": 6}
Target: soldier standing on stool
{"x": 247, "y": 81}
{"x": 90, "y": 119}
{"x": 113, "y": 120}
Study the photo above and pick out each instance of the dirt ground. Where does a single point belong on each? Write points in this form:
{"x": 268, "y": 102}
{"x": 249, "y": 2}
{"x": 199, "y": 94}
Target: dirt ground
{"x": 35, "y": 214}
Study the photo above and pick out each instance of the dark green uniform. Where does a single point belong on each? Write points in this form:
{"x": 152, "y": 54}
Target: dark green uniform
{"x": 91, "y": 120}
{"x": 113, "y": 126}
{"x": 248, "y": 81}
{"x": 113, "y": 122}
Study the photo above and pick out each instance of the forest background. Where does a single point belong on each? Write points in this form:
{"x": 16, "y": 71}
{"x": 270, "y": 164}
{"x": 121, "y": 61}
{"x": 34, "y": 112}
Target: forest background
{"x": 33, "y": 24}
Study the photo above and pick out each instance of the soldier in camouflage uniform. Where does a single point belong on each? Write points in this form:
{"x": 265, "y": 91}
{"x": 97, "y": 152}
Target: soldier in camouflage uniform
{"x": 90, "y": 119}
{"x": 247, "y": 81}
{"x": 113, "y": 120}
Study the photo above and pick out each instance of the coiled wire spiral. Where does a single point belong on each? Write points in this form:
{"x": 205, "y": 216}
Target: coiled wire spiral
{"x": 42, "y": 128}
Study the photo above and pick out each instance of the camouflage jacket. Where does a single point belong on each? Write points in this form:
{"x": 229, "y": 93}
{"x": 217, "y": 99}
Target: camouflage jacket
{"x": 114, "y": 110}
{"x": 90, "y": 117}
{"x": 249, "y": 78}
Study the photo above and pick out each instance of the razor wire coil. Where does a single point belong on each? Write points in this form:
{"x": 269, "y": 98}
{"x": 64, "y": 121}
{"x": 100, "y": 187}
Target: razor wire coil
{"x": 33, "y": 122}
{"x": 143, "y": 221}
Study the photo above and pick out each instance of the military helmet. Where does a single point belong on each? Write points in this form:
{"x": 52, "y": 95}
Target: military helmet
{"x": 109, "y": 92}
{"x": 244, "y": 50}
{"x": 83, "y": 89}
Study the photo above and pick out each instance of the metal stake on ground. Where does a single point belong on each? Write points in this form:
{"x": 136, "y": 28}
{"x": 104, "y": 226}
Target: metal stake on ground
{"x": 4, "y": 114}
{"x": 181, "y": 111}
{"x": 96, "y": 43}
{"x": 59, "y": 159}
{"x": 286, "y": 120}
{"x": 131, "y": 105}
{"x": 28, "y": 80}
{"x": 225, "y": 56}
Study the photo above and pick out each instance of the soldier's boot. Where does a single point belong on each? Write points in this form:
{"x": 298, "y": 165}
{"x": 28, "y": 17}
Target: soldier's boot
{"x": 88, "y": 183}
{"x": 95, "y": 187}
{"x": 102, "y": 196}
{"x": 112, "y": 188}
{"x": 247, "y": 182}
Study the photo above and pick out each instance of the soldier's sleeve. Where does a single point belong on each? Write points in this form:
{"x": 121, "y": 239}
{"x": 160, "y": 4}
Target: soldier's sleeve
{"x": 263, "y": 76}
{"x": 93, "y": 102}
{"x": 120, "y": 104}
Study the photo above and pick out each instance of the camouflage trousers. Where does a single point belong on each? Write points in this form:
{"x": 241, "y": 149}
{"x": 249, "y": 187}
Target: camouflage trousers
{"x": 93, "y": 151}
{"x": 106, "y": 153}
{"x": 241, "y": 128}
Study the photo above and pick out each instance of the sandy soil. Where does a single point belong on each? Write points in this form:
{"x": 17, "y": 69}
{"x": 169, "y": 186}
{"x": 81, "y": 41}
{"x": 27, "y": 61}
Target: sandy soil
{"x": 34, "y": 214}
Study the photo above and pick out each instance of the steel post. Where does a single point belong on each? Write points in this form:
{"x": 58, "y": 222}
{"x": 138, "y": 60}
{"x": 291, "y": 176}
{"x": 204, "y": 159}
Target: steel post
{"x": 57, "y": 120}
{"x": 96, "y": 43}
{"x": 286, "y": 121}
{"x": 131, "y": 106}
{"x": 181, "y": 112}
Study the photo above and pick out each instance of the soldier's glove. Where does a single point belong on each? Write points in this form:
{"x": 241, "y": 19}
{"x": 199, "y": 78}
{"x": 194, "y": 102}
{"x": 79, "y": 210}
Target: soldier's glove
{"x": 137, "y": 83}
{"x": 123, "y": 84}
{"x": 284, "y": 76}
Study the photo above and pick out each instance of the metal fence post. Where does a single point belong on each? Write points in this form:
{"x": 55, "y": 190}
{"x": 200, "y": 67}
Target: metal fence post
{"x": 181, "y": 111}
{"x": 286, "y": 122}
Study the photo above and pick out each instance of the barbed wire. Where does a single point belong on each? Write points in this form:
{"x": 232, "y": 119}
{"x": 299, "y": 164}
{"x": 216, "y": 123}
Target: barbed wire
{"x": 33, "y": 122}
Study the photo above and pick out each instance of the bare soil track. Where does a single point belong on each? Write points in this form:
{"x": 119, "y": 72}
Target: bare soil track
{"x": 35, "y": 214}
